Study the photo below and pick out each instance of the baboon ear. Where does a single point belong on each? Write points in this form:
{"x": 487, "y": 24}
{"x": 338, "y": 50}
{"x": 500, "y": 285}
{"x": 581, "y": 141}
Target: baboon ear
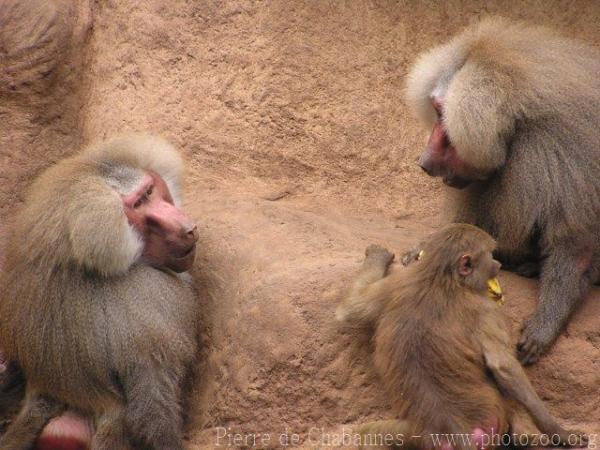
{"x": 465, "y": 265}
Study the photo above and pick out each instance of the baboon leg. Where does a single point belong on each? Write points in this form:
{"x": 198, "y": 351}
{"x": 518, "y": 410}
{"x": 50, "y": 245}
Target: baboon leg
{"x": 513, "y": 380}
{"x": 110, "y": 432}
{"x": 522, "y": 441}
{"x": 364, "y": 300}
{"x": 24, "y": 430}
{"x": 567, "y": 275}
{"x": 153, "y": 413}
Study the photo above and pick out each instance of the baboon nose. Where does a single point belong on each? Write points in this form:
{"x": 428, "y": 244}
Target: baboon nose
{"x": 192, "y": 233}
{"x": 425, "y": 168}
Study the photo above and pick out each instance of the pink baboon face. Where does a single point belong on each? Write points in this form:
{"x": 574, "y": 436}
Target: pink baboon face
{"x": 169, "y": 235}
{"x": 440, "y": 158}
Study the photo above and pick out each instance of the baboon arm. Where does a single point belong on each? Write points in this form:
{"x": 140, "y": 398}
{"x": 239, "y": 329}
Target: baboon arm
{"x": 567, "y": 275}
{"x": 363, "y": 304}
{"x": 513, "y": 380}
{"x": 365, "y": 299}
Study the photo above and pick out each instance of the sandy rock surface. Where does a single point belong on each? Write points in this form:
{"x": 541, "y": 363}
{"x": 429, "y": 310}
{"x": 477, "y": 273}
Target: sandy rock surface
{"x": 301, "y": 152}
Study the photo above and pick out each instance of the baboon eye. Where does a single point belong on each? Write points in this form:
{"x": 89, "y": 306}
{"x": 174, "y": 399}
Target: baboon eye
{"x": 437, "y": 105}
{"x": 143, "y": 198}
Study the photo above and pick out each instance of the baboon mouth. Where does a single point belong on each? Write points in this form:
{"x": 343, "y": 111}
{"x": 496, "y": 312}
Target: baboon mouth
{"x": 456, "y": 182}
{"x": 186, "y": 252}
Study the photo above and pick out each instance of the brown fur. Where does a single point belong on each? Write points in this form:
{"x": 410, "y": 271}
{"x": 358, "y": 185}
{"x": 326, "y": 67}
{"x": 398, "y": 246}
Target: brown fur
{"x": 92, "y": 328}
{"x": 522, "y": 105}
{"x": 12, "y": 391}
{"x": 436, "y": 334}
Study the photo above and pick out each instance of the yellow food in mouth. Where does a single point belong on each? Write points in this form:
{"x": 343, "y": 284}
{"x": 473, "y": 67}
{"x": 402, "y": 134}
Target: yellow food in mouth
{"x": 494, "y": 291}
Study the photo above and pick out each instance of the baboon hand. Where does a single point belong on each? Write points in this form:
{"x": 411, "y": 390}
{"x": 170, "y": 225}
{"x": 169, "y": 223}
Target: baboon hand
{"x": 378, "y": 255}
{"x": 410, "y": 256}
{"x": 536, "y": 338}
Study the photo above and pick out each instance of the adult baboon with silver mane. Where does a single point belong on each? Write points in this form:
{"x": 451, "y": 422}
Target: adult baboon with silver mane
{"x": 93, "y": 307}
{"x": 514, "y": 112}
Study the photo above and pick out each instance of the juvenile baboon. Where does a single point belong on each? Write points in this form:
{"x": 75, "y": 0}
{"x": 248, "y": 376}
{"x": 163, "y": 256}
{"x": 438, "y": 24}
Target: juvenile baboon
{"x": 441, "y": 345}
{"x": 94, "y": 308}
{"x": 514, "y": 111}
